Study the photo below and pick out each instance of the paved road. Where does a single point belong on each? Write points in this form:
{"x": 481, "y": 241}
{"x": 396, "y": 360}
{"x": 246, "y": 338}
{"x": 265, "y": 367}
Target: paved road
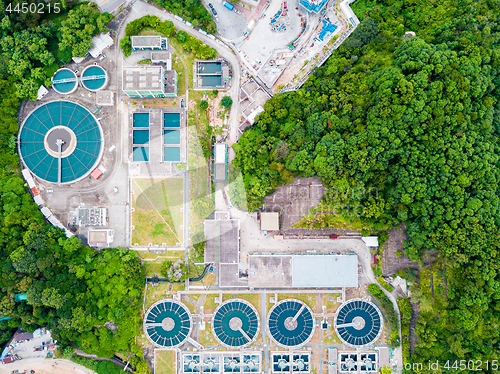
{"x": 263, "y": 324}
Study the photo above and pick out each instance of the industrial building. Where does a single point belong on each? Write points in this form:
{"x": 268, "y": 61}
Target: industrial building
{"x": 149, "y": 43}
{"x": 220, "y": 162}
{"x": 303, "y": 271}
{"x": 149, "y": 81}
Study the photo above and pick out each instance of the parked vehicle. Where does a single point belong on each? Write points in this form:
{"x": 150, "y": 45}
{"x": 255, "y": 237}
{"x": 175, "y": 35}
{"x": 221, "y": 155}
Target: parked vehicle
{"x": 214, "y": 11}
{"x": 228, "y": 5}
{"x": 237, "y": 11}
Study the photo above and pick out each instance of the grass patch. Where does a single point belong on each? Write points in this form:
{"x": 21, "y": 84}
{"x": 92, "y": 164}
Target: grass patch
{"x": 207, "y": 335}
{"x": 165, "y": 362}
{"x": 252, "y": 298}
{"x": 191, "y": 307}
{"x": 312, "y": 303}
{"x": 181, "y": 74}
{"x": 330, "y": 305}
{"x": 157, "y": 215}
{"x": 209, "y": 305}
{"x": 209, "y": 280}
{"x": 154, "y": 294}
{"x": 153, "y": 268}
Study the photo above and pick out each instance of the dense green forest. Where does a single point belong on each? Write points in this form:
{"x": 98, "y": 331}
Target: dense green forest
{"x": 417, "y": 120}
{"x": 193, "y": 11}
{"x": 34, "y": 45}
{"x": 71, "y": 289}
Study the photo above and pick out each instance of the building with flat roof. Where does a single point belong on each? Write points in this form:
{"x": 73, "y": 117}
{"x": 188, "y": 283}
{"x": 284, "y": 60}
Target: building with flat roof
{"x": 100, "y": 237}
{"x": 269, "y": 221}
{"x": 313, "y": 5}
{"x": 303, "y": 271}
{"x": 162, "y": 58}
{"x": 104, "y": 98}
{"x": 149, "y": 43}
{"x": 223, "y": 249}
{"x": 220, "y": 162}
{"x": 149, "y": 81}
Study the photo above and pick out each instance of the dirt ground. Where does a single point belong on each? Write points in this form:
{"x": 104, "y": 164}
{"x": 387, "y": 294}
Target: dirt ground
{"x": 391, "y": 262}
{"x": 45, "y": 366}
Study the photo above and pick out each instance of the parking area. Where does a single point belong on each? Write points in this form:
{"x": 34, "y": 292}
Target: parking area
{"x": 38, "y": 346}
{"x": 230, "y": 24}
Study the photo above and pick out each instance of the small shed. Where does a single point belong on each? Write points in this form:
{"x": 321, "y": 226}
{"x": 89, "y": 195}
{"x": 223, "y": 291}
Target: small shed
{"x": 42, "y": 91}
{"x": 370, "y": 241}
{"x": 269, "y": 221}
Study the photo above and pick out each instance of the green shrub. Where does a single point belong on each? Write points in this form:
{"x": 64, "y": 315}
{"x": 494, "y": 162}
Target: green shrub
{"x": 384, "y": 284}
{"x": 386, "y": 304}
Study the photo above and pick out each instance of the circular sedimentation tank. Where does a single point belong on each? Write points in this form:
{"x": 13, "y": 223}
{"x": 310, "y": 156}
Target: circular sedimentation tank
{"x": 60, "y": 142}
{"x": 235, "y": 323}
{"x": 65, "y": 81}
{"x": 167, "y": 324}
{"x": 94, "y": 78}
{"x": 358, "y": 322}
{"x": 291, "y": 323}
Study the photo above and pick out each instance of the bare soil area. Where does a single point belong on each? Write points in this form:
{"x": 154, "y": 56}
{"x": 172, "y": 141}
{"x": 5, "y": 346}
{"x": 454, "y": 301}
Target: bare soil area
{"x": 45, "y": 366}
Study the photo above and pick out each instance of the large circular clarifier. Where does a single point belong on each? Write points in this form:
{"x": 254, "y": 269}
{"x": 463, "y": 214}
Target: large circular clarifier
{"x": 291, "y": 323}
{"x": 358, "y": 322}
{"x": 167, "y": 323}
{"x": 235, "y": 323}
{"x": 60, "y": 142}
{"x": 94, "y": 78}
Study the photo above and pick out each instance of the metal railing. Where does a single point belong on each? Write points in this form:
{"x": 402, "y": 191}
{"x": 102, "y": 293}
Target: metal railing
{"x": 89, "y": 78}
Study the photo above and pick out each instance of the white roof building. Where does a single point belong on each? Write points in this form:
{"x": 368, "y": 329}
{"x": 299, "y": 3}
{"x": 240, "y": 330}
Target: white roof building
{"x": 100, "y": 43}
{"x": 42, "y": 91}
{"x": 269, "y": 221}
{"x": 370, "y": 241}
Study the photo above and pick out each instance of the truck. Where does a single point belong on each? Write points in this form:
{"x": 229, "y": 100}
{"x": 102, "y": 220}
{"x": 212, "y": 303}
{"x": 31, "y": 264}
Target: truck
{"x": 228, "y": 5}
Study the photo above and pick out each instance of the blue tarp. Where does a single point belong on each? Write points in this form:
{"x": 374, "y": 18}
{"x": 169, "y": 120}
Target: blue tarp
{"x": 327, "y": 28}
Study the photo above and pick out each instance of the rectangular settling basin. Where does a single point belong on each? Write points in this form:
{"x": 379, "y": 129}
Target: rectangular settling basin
{"x": 141, "y": 137}
{"x": 141, "y": 119}
{"x": 172, "y": 136}
{"x": 141, "y": 154}
{"x": 171, "y": 120}
{"x": 172, "y": 154}
{"x": 211, "y": 80}
{"x": 209, "y": 67}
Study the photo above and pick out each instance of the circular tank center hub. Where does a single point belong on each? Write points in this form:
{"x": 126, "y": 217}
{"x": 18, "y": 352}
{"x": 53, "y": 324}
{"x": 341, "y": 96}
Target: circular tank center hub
{"x": 360, "y": 322}
{"x": 290, "y": 323}
{"x": 235, "y": 323}
{"x": 168, "y": 324}
{"x": 60, "y": 136}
